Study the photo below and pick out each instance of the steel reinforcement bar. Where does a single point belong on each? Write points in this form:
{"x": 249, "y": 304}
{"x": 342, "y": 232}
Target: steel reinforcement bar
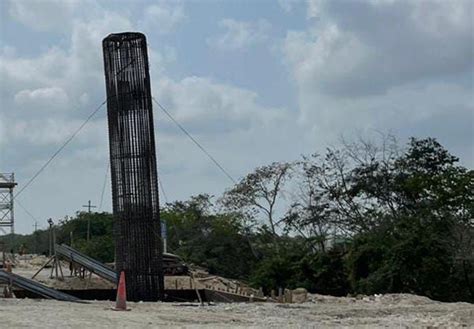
{"x": 35, "y": 287}
{"x": 89, "y": 263}
{"x": 138, "y": 247}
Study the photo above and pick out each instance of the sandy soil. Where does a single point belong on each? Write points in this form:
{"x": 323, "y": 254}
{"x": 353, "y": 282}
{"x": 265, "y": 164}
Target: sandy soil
{"x": 388, "y": 311}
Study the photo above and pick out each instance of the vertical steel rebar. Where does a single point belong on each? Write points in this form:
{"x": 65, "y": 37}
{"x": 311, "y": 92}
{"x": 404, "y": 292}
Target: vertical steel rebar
{"x": 133, "y": 165}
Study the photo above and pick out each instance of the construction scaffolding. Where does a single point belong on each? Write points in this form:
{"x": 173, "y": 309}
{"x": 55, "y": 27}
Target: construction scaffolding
{"x": 7, "y": 217}
{"x": 133, "y": 166}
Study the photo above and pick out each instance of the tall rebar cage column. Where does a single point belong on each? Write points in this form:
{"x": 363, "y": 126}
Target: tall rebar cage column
{"x": 138, "y": 247}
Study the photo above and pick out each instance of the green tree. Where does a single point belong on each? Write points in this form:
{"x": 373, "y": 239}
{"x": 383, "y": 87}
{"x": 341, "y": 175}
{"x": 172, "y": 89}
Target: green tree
{"x": 209, "y": 239}
{"x": 257, "y": 194}
{"x": 421, "y": 201}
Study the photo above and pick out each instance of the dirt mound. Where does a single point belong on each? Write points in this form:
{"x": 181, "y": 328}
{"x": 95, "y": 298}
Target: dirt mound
{"x": 387, "y": 299}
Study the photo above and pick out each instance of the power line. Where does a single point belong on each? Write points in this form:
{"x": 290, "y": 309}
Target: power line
{"x": 60, "y": 149}
{"x": 162, "y": 190}
{"x": 26, "y": 211}
{"x": 160, "y": 183}
{"x": 103, "y": 186}
{"x": 195, "y": 142}
{"x": 46, "y": 164}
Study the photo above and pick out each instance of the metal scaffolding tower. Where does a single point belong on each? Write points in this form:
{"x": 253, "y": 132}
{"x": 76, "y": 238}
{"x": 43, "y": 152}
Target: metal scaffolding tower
{"x": 7, "y": 218}
{"x": 138, "y": 246}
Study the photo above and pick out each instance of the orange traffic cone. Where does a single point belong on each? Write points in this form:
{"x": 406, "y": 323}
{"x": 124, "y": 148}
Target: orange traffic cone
{"x": 121, "y": 301}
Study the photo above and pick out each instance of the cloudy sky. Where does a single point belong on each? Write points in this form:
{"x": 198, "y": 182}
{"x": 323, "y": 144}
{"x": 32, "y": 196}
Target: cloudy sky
{"x": 253, "y": 81}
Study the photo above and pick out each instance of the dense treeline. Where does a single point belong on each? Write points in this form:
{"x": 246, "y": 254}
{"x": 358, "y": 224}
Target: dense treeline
{"x": 363, "y": 218}
{"x": 70, "y": 231}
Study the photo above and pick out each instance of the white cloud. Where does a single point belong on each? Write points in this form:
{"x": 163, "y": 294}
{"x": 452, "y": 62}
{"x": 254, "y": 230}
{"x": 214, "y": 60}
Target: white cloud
{"x": 358, "y": 52}
{"x": 53, "y": 131}
{"x": 212, "y": 107}
{"x": 84, "y": 99}
{"x": 8, "y": 51}
{"x": 3, "y": 139}
{"x": 239, "y": 34}
{"x": 288, "y": 5}
{"x": 369, "y": 65}
{"x": 34, "y": 72}
{"x": 314, "y": 8}
{"x": 49, "y": 97}
{"x": 231, "y": 124}
{"x": 86, "y": 49}
{"x": 228, "y": 120}
{"x": 69, "y": 80}
{"x": 383, "y": 65}
{"x": 48, "y": 15}
{"x": 324, "y": 58}
{"x": 163, "y": 17}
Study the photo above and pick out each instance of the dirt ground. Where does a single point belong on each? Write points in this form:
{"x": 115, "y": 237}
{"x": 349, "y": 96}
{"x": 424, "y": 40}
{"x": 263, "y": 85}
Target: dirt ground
{"x": 381, "y": 311}
{"x": 28, "y": 265}
{"x": 388, "y": 311}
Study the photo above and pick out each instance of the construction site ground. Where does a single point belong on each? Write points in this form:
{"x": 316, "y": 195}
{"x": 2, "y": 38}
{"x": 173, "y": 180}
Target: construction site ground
{"x": 387, "y": 311}
{"x": 380, "y": 311}
{"x": 28, "y": 265}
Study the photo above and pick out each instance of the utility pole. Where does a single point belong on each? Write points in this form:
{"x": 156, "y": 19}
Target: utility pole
{"x": 89, "y": 206}
{"x": 50, "y": 222}
{"x": 35, "y": 234}
{"x": 52, "y": 251}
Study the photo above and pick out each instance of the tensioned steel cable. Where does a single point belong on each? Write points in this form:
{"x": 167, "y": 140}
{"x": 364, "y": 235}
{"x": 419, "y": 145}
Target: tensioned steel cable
{"x": 26, "y": 210}
{"x": 46, "y": 164}
{"x": 202, "y": 149}
{"x": 195, "y": 142}
{"x": 103, "y": 186}
{"x": 60, "y": 149}
{"x": 162, "y": 190}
